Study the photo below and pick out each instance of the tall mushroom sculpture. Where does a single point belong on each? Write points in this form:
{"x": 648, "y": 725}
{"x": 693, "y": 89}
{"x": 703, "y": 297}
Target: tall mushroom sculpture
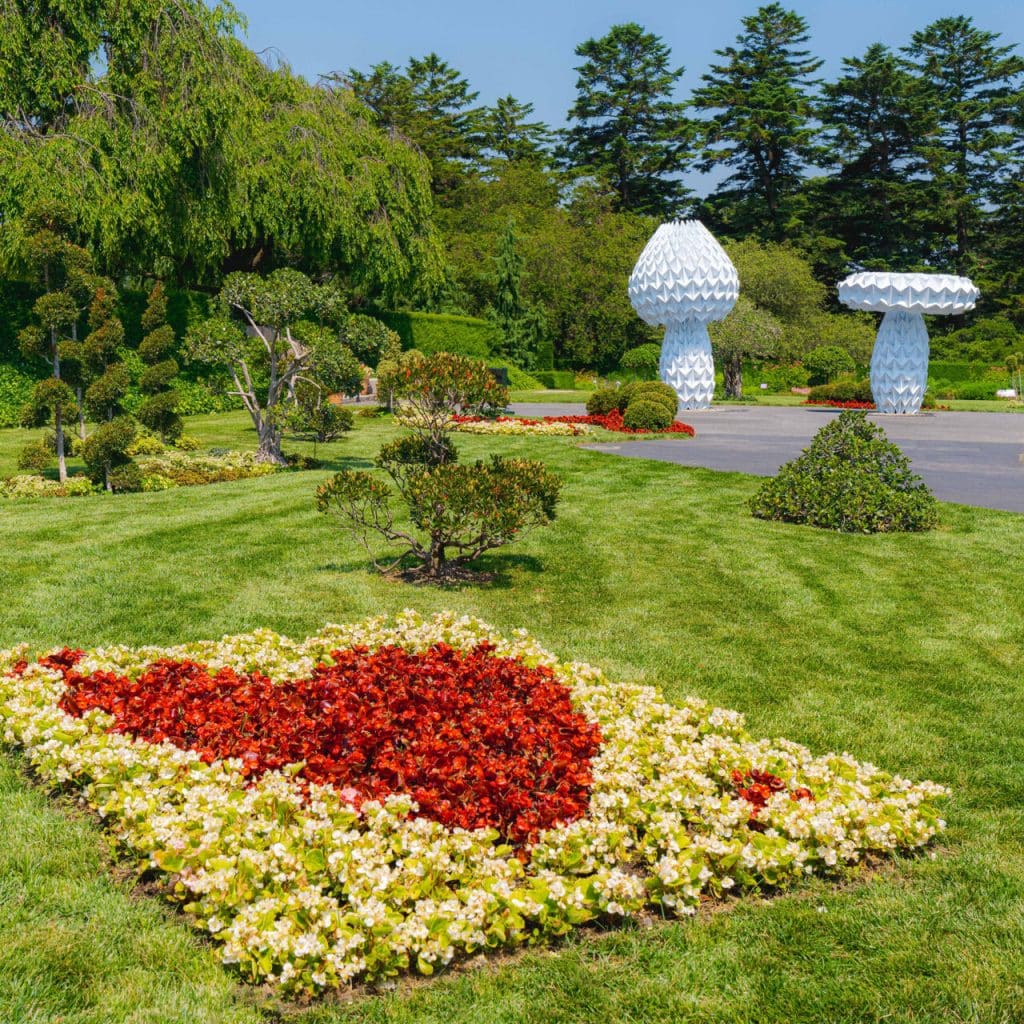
{"x": 684, "y": 279}
{"x": 899, "y": 362}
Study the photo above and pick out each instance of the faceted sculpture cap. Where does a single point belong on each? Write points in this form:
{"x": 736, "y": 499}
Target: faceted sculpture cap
{"x": 937, "y": 294}
{"x": 683, "y": 274}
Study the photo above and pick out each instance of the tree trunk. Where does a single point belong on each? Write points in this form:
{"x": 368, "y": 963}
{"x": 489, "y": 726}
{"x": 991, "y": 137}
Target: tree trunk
{"x": 269, "y": 449}
{"x": 732, "y": 373}
{"x": 58, "y": 431}
{"x": 81, "y": 414}
{"x": 436, "y": 565}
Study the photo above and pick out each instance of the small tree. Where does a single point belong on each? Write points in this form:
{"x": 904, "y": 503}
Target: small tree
{"x": 60, "y": 270}
{"x": 747, "y": 332}
{"x": 269, "y": 307}
{"x": 157, "y": 382}
{"x": 644, "y": 359}
{"x": 456, "y": 512}
{"x": 827, "y": 362}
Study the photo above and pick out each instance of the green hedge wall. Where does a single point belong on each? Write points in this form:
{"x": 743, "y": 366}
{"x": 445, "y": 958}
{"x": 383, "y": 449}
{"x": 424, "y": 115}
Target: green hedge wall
{"x": 563, "y": 380}
{"x": 441, "y": 332}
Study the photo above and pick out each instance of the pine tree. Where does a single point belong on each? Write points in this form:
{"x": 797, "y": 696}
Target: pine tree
{"x": 509, "y": 133}
{"x": 876, "y": 116}
{"x": 523, "y": 326}
{"x": 157, "y": 382}
{"x": 628, "y": 131}
{"x": 761, "y": 121}
{"x": 974, "y": 85}
{"x": 431, "y": 105}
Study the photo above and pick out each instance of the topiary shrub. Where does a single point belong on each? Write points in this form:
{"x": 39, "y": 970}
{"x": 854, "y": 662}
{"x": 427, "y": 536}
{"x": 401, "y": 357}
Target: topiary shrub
{"x": 654, "y": 391}
{"x": 642, "y": 359}
{"x": 851, "y": 478}
{"x": 828, "y": 362}
{"x": 106, "y": 449}
{"x": 36, "y": 456}
{"x": 602, "y": 401}
{"x": 641, "y": 414}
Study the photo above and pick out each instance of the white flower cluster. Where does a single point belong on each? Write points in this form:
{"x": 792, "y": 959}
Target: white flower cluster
{"x": 301, "y": 890}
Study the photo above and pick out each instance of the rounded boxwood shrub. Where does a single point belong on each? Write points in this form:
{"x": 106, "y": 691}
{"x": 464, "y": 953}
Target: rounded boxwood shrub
{"x": 36, "y": 456}
{"x": 643, "y": 415}
{"x": 602, "y": 401}
{"x": 851, "y": 478}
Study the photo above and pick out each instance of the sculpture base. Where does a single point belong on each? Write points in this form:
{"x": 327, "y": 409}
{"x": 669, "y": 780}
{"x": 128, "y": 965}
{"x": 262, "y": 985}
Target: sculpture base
{"x": 899, "y": 363}
{"x": 687, "y": 365}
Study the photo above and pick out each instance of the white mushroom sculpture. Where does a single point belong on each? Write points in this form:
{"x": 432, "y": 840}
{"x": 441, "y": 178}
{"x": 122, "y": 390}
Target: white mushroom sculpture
{"x": 684, "y": 279}
{"x": 899, "y": 362}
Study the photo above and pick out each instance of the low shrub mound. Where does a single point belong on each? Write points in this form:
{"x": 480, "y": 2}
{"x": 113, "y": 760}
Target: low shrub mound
{"x": 851, "y": 478}
{"x": 396, "y": 794}
{"x": 646, "y": 415}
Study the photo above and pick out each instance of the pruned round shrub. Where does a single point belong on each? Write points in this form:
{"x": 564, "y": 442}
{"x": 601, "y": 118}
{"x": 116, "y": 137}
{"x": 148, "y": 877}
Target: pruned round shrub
{"x": 106, "y": 448}
{"x": 642, "y": 359}
{"x": 644, "y": 415}
{"x": 35, "y": 456}
{"x": 187, "y": 443}
{"x": 602, "y": 401}
{"x": 126, "y": 478}
{"x": 651, "y": 390}
{"x": 851, "y": 478}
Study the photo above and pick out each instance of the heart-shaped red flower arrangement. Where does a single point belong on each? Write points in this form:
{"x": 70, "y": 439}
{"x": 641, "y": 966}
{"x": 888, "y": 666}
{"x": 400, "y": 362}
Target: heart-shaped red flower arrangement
{"x": 478, "y": 741}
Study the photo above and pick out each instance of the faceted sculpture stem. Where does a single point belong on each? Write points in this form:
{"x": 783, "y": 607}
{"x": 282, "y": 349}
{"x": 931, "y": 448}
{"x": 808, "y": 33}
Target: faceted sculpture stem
{"x": 687, "y": 365}
{"x": 899, "y": 363}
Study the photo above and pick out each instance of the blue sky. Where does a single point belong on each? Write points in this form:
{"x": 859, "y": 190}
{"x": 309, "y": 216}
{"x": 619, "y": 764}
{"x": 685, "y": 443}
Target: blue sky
{"x": 526, "y": 46}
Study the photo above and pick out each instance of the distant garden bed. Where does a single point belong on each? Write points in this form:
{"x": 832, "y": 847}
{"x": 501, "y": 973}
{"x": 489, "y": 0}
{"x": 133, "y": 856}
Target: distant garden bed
{"x": 560, "y": 426}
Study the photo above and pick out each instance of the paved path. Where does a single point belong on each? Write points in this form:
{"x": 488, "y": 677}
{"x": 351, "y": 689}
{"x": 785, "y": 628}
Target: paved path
{"x": 969, "y": 457}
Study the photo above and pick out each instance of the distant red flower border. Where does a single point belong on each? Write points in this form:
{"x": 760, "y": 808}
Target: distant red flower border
{"x": 836, "y": 404}
{"x": 477, "y": 740}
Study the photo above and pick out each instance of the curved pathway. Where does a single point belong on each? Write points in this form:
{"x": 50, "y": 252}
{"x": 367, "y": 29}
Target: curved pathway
{"x": 969, "y": 457}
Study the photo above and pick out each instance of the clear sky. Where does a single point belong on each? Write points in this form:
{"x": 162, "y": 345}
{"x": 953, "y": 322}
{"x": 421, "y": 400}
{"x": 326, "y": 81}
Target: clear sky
{"x": 525, "y": 47}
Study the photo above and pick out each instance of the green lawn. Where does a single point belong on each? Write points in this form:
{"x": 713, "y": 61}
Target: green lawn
{"x": 905, "y": 651}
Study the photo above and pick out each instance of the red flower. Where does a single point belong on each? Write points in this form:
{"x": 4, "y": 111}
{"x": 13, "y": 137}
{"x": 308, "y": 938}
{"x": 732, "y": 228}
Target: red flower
{"x": 477, "y": 740}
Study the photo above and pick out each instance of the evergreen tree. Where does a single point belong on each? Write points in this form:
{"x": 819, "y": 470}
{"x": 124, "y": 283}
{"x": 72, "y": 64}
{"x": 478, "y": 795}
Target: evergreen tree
{"x": 157, "y": 382}
{"x": 108, "y": 382}
{"x": 431, "y": 105}
{"x": 523, "y": 326}
{"x": 974, "y": 85}
{"x": 59, "y": 269}
{"x": 761, "y": 108}
{"x": 628, "y": 132}
{"x": 509, "y": 133}
{"x": 876, "y": 116}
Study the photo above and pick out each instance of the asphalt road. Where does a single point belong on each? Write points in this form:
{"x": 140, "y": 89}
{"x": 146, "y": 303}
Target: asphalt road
{"x": 969, "y": 457}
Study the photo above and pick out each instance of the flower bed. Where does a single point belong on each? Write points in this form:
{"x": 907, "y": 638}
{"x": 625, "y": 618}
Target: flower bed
{"x": 172, "y": 468}
{"x": 392, "y": 795}
{"x": 560, "y": 425}
{"x": 547, "y": 426}
{"x": 835, "y": 403}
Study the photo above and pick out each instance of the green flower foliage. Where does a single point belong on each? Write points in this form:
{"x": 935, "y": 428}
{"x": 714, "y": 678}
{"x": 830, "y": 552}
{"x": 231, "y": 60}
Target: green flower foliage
{"x": 851, "y": 479}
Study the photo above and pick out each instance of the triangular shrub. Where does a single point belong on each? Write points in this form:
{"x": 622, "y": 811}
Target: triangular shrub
{"x": 851, "y": 478}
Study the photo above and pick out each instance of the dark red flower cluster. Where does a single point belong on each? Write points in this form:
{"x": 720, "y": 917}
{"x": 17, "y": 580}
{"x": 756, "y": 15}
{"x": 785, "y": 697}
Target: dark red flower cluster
{"x": 477, "y": 740}
{"x": 757, "y": 787}
{"x": 836, "y": 404}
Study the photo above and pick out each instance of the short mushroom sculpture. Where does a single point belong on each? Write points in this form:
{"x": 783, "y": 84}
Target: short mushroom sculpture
{"x": 899, "y": 362}
{"x": 684, "y": 279}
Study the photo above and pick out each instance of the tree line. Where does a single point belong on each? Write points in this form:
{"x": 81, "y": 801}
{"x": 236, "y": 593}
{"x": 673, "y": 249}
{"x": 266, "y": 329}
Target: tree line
{"x": 174, "y": 152}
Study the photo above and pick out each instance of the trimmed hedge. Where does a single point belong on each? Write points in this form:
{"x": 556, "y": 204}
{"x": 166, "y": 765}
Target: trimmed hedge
{"x": 442, "y": 332}
{"x": 561, "y": 380}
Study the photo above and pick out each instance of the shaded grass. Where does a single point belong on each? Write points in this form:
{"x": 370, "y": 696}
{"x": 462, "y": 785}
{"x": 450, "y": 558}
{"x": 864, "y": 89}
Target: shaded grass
{"x": 903, "y": 650}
